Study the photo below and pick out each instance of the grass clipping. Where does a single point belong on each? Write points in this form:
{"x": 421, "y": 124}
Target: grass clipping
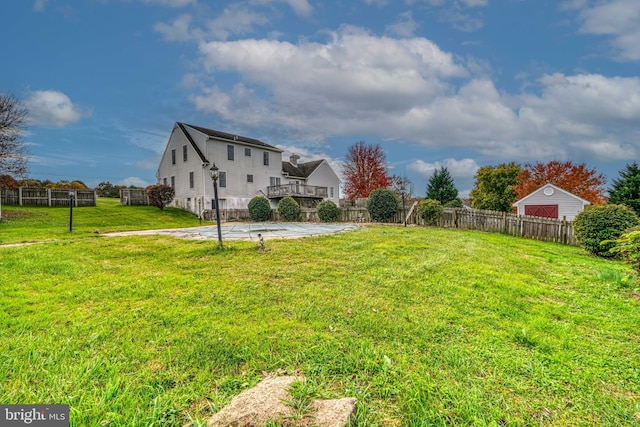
{"x": 270, "y": 403}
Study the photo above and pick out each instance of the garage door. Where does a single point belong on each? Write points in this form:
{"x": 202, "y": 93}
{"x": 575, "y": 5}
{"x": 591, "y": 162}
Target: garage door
{"x": 546, "y": 211}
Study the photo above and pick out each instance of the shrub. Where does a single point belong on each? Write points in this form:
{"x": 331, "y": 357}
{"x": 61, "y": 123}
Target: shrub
{"x": 628, "y": 245}
{"x": 288, "y": 209}
{"x": 160, "y": 195}
{"x": 455, "y": 203}
{"x": 259, "y": 208}
{"x": 328, "y": 211}
{"x": 598, "y": 224}
{"x": 430, "y": 211}
{"x": 382, "y": 205}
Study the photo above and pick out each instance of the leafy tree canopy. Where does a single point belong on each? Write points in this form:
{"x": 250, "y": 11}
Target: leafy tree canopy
{"x": 576, "y": 179}
{"x": 364, "y": 170}
{"x": 494, "y": 187}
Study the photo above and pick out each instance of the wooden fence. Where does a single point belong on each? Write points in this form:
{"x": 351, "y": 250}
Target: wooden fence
{"x": 133, "y": 197}
{"x": 43, "y": 196}
{"x": 545, "y": 229}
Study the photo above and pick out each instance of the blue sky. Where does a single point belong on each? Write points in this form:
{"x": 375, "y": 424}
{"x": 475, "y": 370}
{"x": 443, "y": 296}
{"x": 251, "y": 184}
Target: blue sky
{"x": 455, "y": 83}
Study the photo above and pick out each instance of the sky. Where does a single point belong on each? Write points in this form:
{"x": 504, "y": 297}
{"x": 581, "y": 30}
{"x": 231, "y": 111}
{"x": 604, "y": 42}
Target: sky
{"x": 454, "y": 83}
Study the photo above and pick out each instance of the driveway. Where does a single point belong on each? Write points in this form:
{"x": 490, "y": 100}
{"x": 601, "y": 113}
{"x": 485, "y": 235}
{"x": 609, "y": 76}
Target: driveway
{"x": 246, "y": 231}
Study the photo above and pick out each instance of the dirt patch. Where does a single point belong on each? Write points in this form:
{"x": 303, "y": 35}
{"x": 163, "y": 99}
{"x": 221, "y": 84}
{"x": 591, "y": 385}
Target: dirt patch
{"x": 267, "y": 401}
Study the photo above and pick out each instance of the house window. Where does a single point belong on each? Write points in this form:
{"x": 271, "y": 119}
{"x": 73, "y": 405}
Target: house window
{"x": 230, "y": 152}
{"x": 191, "y": 180}
{"x": 184, "y": 153}
{"x": 173, "y": 182}
{"x": 222, "y": 179}
{"x": 274, "y": 180}
{"x": 164, "y": 181}
{"x": 249, "y": 178}
{"x": 265, "y": 158}
{"x": 173, "y": 157}
{"x": 247, "y": 152}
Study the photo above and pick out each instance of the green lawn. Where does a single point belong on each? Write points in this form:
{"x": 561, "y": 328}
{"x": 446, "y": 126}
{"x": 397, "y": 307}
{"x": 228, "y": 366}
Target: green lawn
{"x": 423, "y": 326}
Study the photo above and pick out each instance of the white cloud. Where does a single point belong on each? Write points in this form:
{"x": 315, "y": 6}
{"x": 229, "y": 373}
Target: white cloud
{"x": 135, "y": 181}
{"x": 464, "y": 168}
{"x": 617, "y": 19}
{"x": 404, "y": 26}
{"x": 235, "y": 20}
{"x": 38, "y": 5}
{"x": 408, "y": 89}
{"x": 178, "y": 30}
{"x": 52, "y": 108}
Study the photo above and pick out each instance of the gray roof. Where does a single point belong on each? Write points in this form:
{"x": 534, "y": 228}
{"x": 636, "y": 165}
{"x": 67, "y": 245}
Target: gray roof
{"x": 231, "y": 137}
{"x": 303, "y": 170}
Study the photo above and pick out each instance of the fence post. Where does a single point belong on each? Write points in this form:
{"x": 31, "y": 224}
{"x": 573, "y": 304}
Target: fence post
{"x": 563, "y": 229}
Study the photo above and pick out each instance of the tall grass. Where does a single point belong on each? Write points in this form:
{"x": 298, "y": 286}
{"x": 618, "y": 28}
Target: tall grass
{"x": 423, "y": 326}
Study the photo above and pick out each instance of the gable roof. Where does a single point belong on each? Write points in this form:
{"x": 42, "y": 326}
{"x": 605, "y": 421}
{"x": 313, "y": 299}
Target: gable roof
{"x": 303, "y": 170}
{"x": 584, "y": 202}
{"x": 193, "y": 143}
{"x": 231, "y": 137}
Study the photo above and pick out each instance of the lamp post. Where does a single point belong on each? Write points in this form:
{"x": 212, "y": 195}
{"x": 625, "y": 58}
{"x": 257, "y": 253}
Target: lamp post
{"x": 70, "y": 211}
{"x": 404, "y": 213}
{"x": 214, "y": 172}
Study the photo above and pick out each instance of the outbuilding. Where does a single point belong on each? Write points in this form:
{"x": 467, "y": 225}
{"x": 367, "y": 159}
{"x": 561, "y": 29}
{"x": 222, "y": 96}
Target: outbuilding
{"x": 551, "y": 201}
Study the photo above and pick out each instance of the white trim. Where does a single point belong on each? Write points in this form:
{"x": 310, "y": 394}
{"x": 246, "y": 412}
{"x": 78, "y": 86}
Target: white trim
{"x": 584, "y": 202}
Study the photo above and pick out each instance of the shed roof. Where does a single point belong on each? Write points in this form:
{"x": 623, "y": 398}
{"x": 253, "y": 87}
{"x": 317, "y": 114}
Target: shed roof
{"x": 548, "y": 185}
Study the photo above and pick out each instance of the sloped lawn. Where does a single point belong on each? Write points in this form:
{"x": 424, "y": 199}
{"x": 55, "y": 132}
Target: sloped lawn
{"x": 424, "y": 326}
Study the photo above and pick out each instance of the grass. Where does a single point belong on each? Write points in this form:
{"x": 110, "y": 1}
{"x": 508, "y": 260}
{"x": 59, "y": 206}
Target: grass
{"x": 26, "y": 223}
{"x": 425, "y": 327}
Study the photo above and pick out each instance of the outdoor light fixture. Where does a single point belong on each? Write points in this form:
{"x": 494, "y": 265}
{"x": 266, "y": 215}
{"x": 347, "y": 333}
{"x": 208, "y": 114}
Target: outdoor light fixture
{"x": 70, "y": 211}
{"x": 215, "y": 174}
{"x": 404, "y": 213}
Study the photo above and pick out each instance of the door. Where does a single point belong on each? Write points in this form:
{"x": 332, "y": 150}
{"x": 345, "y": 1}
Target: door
{"x": 545, "y": 211}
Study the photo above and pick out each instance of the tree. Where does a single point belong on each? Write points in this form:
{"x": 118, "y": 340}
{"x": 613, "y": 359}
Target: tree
{"x": 160, "y": 195}
{"x": 626, "y": 190}
{"x": 13, "y": 152}
{"x": 382, "y": 205}
{"x": 7, "y": 181}
{"x": 494, "y": 187}
{"x": 107, "y": 189}
{"x": 441, "y": 187}
{"x": 364, "y": 170}
{"x": 576, "y": 179}
{"x": 401, "y": 185}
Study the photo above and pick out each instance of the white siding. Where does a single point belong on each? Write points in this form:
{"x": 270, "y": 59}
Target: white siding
{"x": 324, "y": 176}
{"x": 568, "y": 205}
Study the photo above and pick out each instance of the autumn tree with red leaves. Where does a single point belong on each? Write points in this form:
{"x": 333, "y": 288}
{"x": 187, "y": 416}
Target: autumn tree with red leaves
{"x": 364, "y": 170}
{"x": 576, "y": 179}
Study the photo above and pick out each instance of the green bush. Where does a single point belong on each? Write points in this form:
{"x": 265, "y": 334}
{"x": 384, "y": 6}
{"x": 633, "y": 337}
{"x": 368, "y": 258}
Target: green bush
{"x": 328, "y": 211}
{"x": 455, "y": 203}
{"x": 628, "y": 245}
{"x": 259, "y": 209}
{"x": 288, "y": 209}
{"x": 598, "y": 227}
{"x": 382, "y": 205}
{"x": 430, "y": 211}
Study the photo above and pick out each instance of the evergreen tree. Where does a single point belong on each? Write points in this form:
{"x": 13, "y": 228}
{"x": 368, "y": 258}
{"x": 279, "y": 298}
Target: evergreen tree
{"x": 441, "y": 187}
{"x": 626, "y": 190}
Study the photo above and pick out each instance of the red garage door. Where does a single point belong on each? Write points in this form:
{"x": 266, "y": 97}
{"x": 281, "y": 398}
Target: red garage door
{"x": 546, "y": 211}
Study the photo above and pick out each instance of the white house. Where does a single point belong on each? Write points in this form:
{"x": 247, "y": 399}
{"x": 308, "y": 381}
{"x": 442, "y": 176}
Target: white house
{"x": 247, "y": 168}
{"x": 550, "y": 201}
